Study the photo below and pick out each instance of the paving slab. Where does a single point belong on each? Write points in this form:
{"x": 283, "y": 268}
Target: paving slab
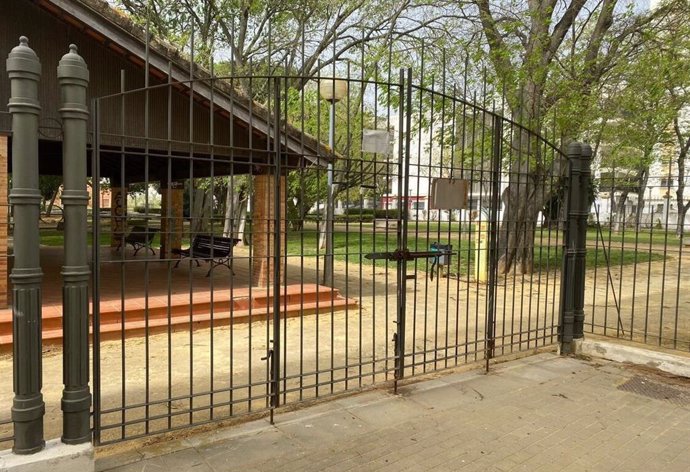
{"x": 544, "y": 412}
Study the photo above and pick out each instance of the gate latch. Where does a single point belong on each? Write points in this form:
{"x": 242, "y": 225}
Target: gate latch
{"x": 405, "y": 255}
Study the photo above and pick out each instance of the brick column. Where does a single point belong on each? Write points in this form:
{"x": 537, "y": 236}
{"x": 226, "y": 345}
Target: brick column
{"x": 172, "y": 203}
{"x": 4, "y": 222}
{"x": 263, "y": 226}
{"x": 118, "y": 213}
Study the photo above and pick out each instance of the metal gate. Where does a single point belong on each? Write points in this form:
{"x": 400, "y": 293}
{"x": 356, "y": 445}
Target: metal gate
{"x": 254, "y": 266}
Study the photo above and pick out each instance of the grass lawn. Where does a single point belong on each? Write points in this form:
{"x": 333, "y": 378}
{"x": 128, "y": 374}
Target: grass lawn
{"x": 629, "y": 237}
{"x": 353, "y": 245}
{"x": 51, "y": 237}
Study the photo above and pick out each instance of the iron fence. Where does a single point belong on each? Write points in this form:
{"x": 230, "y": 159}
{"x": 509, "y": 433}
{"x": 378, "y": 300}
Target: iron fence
{"x": 636, "y": 247}
{"x": 333, "y": 283}
{"x": 239, "y": 263}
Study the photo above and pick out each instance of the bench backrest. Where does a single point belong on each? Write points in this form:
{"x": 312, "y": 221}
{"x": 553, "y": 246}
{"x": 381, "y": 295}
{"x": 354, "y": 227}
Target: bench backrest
{"x": 138, "y": 233}
{"x": 217, "y": 245}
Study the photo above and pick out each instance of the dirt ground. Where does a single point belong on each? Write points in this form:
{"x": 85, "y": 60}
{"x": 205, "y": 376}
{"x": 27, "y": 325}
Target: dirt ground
{"x": 171, "y": 379}
{"x": 646, "y": 302}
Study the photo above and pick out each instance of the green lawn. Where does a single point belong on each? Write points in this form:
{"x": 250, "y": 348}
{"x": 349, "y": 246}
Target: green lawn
{"x": 52, "y": 237}
{"x": 643, "y": 238}
{"x": 352, "y": 246}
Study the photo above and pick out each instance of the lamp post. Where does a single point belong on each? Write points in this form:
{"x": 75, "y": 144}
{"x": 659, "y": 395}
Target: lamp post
{"x": 331, "y": 90}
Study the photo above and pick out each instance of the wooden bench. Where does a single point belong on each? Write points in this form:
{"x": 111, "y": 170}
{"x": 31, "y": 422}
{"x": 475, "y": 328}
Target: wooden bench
{"x": 214, "y": 249}
{"x": 140, "y": 237}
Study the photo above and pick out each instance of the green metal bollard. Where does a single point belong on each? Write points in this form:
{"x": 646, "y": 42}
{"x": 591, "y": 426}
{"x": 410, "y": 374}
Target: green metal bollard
{"x": 585, "y": 177}
{"x": 73, "y": 76}
{"x": 568, "y": 273}
{"x": 28, "y": 408}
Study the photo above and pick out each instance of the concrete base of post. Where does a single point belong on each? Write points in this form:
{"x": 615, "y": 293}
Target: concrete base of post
{"x": 56, "y": 457}
{"x": 573, "y": 347}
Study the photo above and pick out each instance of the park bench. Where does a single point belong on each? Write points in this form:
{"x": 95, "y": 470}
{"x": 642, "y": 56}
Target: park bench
{"x": 214, "y": 249}
{"x": 140, "y": 237}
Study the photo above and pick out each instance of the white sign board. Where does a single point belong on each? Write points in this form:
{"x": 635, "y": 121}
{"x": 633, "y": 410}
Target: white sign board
{"x": 448, "y": 194}
{"x": 379, "y": 141}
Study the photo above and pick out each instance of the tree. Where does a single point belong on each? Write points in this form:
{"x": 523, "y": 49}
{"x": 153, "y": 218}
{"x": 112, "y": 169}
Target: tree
{"x": 49, "y": 186}
{"x": 643, "y": 111}
{"x": 300, "y": 36}
{"x": 545, "y": 54}
{"x": 644, "y": 102}
{"x": 296, "y": 38}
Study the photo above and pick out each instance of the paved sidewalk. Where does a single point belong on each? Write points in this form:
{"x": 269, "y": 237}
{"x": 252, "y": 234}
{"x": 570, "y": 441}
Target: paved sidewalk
{"x": 539, "y": 413}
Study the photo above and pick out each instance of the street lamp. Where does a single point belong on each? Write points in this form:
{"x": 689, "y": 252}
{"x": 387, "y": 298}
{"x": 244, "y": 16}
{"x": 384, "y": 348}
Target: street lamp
{"x": 331, "y": 90}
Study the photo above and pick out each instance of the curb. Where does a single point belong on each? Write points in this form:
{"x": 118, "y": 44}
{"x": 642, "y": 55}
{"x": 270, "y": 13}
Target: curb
{"x": 676, "y": 365}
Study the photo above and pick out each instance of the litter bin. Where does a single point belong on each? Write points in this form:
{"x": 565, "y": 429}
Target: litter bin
{"x": 442, "y": 260}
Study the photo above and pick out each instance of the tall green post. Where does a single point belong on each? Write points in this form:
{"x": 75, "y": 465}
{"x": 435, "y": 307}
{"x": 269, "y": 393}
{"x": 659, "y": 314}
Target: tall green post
{"x": 567, "y": 311}
{"x": 73, "y": 76}
{"x": 585, "y": 177}
{"x": 572, "y": 315}
{"x": 28, "y": 408}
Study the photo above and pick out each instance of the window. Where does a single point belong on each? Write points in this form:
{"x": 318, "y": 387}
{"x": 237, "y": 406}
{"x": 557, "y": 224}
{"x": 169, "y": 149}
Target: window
{"x": 418, "y": 205}
{"x": 666, "y": 182}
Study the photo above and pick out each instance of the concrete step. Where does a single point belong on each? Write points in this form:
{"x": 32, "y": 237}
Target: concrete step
{"x": 174, "y": 314}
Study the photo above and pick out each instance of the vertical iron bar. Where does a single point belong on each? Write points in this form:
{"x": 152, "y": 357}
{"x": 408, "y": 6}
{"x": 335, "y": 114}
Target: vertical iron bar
{"x": 95, "y": 262}
{"x": 147, "y": 343}
{"x": 28, "y": 408}
{"x": 73, "y": 76}
{"x": 170, "y": 225}
{"x": 403, "y": 189}
{"x": 277, "y": 282}
{"x": 497, "y": 151}
{"x": 190, "y": 285}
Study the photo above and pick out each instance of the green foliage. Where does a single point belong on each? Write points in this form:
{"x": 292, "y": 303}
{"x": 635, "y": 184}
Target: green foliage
{"x": 48, "y": 185}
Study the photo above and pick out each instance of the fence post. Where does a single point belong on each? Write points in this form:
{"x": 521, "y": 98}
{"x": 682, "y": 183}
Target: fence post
{"x": 28, "y": 408}
{"x": 585, "y": 175}
{"x": 73, "y": 77}
{"x": 573, "y": 273}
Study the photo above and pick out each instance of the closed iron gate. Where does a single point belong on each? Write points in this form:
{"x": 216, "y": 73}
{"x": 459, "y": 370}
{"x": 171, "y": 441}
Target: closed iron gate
{"x": 241, "y": 264}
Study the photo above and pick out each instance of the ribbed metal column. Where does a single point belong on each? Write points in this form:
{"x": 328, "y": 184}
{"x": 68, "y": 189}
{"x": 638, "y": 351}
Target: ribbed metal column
{"x": 28, "y": 408}
{"x": 567, "y": 318}
{"x": 584, "y": 184}
{"x": 73, "y": 77}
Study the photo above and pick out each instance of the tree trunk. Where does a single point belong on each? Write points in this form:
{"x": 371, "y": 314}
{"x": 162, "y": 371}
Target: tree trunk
{"x": 517, "y": 232}
{"x": 680, "y": 226}
{"x": 200, "y": 211}
{"x": 525, "y": 197}
{"x": 640, "y": 198}
{"x": 680, "y": 192}
{"x": 49, "y": 209}
{"x": 231, "y": 206}
{"x": 242, "y": 220}
{"x": 620, "y": 211}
